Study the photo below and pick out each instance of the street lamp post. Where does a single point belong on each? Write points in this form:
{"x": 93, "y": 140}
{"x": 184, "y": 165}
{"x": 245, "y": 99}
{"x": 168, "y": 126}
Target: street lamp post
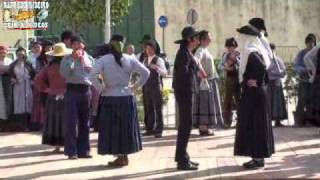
{"x": 107, "y": 28}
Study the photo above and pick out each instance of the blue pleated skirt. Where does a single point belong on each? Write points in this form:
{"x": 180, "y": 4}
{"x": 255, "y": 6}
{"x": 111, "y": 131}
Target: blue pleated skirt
{"x": 119, "y": 131}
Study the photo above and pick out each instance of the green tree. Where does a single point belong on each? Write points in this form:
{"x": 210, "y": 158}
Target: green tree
{"x": 78, "y": 13}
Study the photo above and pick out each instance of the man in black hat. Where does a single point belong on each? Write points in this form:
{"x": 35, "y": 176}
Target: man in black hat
{"x": 230, "y": 65}
{"x": 185, "y": 67}
{"x": 141, "y": 57}
{"x": 303, "y": 109}
{"x": 152, "y": 90}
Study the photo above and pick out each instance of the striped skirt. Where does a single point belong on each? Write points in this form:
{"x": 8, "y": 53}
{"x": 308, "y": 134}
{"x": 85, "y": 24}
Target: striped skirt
{"x": 207, "y": 107}
{"x": 119, "y": 131}
{"x": 53, "y": 132}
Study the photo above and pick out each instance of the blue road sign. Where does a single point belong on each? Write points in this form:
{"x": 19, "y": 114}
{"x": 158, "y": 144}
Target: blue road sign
{"x": 163, "y": 21}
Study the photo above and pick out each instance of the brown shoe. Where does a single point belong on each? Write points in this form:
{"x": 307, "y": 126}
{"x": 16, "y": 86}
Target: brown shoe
{"x": 120, "y": 161}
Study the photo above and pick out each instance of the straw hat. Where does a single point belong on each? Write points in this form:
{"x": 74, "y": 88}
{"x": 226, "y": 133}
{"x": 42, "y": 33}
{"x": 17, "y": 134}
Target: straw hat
{"x": 59, "y": 49}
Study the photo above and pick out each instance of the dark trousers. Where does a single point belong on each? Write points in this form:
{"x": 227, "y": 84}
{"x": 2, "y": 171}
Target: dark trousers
{"x": 21, "y": 122}
{"x": 303, "y": 110}
{"x": 185, "y": 125}
{"x": 153, "y": 109}
{"x": 232, "y": 97}
{"x": 76, "y": 117}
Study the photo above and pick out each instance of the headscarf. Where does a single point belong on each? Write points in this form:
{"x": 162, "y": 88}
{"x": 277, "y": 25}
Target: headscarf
{"x": 116, "y": 49}
{"x": 117, "y": 46}
{"x": 266, "y": 44}
{"x": 247, "y": 45}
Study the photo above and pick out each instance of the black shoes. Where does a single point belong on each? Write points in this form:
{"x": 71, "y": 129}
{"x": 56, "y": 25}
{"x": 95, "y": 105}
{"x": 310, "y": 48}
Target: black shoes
{"x": 189, "y": 166}
{"x": 279, "y": 125}
{"x": 74, "y": 157}
{"x": 206, "y": 133}
{"x": 148, "y": 133}
{"x": 85, "y": 156}
{"x": 254, "y": 164}
{"x": 158, "y": 135}
{"x": 194, "y": 163}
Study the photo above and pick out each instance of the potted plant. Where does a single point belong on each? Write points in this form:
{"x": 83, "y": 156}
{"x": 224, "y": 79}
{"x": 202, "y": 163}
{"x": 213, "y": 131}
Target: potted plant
{"x": 291, "y": 86}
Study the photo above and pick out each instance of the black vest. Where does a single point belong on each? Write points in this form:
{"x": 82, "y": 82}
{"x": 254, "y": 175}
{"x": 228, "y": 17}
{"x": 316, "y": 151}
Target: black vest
{"x": 154, "y": 80}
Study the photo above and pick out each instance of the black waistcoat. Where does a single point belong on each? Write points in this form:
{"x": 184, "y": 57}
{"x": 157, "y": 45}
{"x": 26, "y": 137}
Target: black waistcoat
{"x": 154, "y": 80}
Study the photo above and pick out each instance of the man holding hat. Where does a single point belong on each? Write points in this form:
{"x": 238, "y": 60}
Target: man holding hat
{"x": 185, "y": 68}
{"x": 152, "y": 90}
{"x": 75, "y": 68}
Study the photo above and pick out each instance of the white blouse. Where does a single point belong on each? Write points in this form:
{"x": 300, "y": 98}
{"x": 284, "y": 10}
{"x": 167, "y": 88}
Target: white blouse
{"x": 205, "y": 58}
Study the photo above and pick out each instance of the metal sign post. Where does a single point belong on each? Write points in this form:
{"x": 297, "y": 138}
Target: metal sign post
{"x": 192, "y": 17}
{"x": 163, "y": 23}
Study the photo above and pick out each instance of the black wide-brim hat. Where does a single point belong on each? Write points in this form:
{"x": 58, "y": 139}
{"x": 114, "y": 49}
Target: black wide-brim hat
{"x": 248, "y": 30}
{"x": 145, "y": 38}
{"x": 187, "y": 32}
{"x": 258, "y": 23}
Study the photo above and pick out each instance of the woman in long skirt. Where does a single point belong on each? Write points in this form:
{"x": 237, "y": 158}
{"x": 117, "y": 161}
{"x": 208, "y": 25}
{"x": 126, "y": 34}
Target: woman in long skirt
{"x": 278, "y": 107}
{"x": 254, "y": 136}
{"x": 4, "y": 83}
{"x": 21, "y": 73}
{"x": 119, "y": 132}
{"x": 207, "y": 107}
{"x": 49, "y": 81}
{"x": 38, "y": 109}
{"x": 312, "y": 61}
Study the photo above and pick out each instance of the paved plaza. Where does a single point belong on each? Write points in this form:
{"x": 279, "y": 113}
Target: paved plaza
{"x": 298, "y": 156}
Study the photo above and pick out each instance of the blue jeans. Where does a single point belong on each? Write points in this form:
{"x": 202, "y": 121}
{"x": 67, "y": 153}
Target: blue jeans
{"x": 76, "y": 117}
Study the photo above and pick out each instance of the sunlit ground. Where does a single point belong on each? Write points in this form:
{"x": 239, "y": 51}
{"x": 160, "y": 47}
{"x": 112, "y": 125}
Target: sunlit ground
{"x": 298, "y": 154}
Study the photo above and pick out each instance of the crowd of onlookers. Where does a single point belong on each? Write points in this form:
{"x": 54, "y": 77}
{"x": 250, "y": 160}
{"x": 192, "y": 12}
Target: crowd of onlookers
{"x": 62, "y": 90}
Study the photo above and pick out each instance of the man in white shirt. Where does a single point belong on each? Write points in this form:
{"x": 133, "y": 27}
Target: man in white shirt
{"x": 152, "y": 91}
